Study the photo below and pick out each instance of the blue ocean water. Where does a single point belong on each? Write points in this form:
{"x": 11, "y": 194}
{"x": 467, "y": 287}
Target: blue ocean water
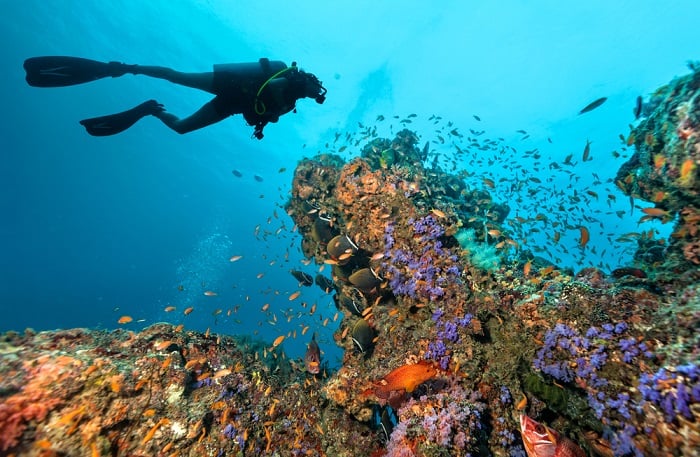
{"x": 96, "y": 228}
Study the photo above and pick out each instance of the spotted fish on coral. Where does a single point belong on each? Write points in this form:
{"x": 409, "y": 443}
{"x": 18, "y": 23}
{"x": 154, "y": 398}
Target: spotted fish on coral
{"x": 542, "y": 441}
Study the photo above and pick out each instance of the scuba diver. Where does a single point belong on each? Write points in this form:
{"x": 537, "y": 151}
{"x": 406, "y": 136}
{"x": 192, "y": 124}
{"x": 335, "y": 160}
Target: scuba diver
{"x": 262, "y": 91}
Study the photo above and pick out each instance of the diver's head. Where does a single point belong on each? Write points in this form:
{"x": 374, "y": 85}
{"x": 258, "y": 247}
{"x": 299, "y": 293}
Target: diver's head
{"x": 307, "y": 85}
{"x": 314, "y": 89}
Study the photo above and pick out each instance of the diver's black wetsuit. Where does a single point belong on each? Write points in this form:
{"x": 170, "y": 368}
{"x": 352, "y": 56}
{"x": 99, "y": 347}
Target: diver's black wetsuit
{"x": 262, "y": 91}
{"x": 246, "y": 88}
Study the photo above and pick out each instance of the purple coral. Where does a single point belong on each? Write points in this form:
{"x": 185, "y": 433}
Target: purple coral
{"x": 446, "y": 332}
{"x": 621, "y": 441}
{"x": 438, "y": 351}
{"x": 428, "y": 227}
{"x": 672, "y": 389}
{"x": 424, "y": 270}
{"x": 389, "y": 237}
{"x": 568, "y": 356}
{"x": 506, "y": 397}
{"x": 231, "y": 433}
{"x": 631, "y": 349}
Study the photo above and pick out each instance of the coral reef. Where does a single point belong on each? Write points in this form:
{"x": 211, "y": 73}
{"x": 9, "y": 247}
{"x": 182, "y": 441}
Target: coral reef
{"x": 583, "y": 350}
{"x": 160, "y": 392}
{"x": 449, "y": 322}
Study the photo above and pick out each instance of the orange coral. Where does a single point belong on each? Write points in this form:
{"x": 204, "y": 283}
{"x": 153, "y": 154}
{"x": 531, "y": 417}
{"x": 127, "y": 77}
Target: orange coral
{"x": 36, "y": 399}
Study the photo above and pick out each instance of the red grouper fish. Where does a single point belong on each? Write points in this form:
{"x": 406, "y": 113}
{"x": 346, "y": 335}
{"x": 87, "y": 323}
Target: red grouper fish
{"x": 542, "y": 441}
{"x": 312, "y": 358}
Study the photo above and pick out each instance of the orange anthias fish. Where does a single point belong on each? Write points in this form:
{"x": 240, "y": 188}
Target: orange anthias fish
{"x": 542, "y": 441}
{"x": 406, "y": 377}
{"x": 585, "y": 236}
{"x": 312, "y": 358}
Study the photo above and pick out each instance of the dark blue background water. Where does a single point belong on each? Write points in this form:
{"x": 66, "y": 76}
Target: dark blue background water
{"x": 95, "y": 228}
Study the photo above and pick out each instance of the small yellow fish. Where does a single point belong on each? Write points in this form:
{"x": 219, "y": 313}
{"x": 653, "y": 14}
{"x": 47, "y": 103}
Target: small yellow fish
{"x": 585, "y": 236}
{"x": 659, "y": 161}
{"x": 278, "y": 341}
{"x": 221, "y": 373}
{"x": 378, "y": 256}
{"x": 163, "y": 345}
{"x": 686, "y": 170}
{"x": 655, "y": 212}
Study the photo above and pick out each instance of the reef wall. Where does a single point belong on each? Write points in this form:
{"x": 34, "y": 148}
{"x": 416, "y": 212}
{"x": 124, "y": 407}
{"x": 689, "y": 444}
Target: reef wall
{"x": 664, "y": 169}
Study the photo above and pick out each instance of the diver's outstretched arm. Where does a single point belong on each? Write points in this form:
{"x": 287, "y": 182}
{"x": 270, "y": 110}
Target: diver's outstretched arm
{"x": 205, "y": 116}
{"x": 202, "y": 81}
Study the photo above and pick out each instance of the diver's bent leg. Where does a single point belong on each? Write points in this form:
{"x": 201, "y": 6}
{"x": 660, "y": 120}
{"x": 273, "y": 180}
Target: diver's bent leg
{"x": 202, "y": 81}
{"x": 205, "y": 116}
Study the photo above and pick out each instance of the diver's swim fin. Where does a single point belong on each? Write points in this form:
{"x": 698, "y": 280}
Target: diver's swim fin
{"x": 116, "y": 123}
{"x": 58, "y": 71}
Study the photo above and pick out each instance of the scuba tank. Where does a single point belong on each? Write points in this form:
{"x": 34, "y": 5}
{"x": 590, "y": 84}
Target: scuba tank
{"x": 237, "y": 73}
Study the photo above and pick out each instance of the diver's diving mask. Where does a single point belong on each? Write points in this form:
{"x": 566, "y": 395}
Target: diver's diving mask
{"x": 321, "y": 91}
{"x": 308, "y": 84}
{"x": 313, "y": 87}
